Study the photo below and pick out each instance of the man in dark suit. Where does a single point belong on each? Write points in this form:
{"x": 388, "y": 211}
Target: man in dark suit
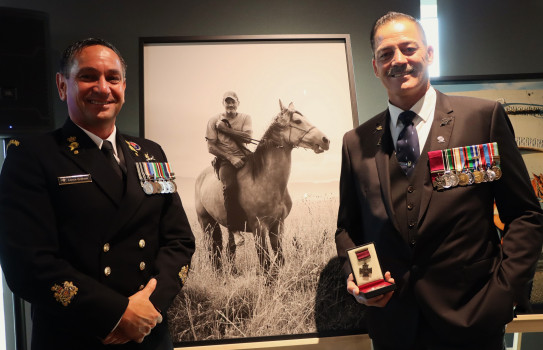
{"x": 457, "y": 280}
{"x": 96, "y": 243}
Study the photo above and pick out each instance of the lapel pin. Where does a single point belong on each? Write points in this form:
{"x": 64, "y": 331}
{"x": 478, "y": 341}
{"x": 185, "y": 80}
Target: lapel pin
{"x": 445, "y": 121}
{"x": 440, "y": 139}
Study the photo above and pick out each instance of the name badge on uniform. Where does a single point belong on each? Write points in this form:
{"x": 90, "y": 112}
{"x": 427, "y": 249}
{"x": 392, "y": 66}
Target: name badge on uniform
{"x": 156, "y": 178}
{"x": 74, "y": 179}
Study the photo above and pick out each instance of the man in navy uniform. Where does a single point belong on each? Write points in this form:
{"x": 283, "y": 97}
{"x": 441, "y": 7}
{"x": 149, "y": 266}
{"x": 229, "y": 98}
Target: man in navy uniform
{"x": 457, "y": 279}
{"x": 99, "y": 258}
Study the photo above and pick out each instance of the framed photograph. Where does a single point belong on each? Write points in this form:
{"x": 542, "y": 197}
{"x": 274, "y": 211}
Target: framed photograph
{"x": 278, "y": 277}
{"x": 522, "y": 97}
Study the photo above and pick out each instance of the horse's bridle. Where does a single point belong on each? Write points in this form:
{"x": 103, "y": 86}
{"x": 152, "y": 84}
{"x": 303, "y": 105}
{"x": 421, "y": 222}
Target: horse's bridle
{"x": 305, "y": 132}
{"x": 291, "y": 126}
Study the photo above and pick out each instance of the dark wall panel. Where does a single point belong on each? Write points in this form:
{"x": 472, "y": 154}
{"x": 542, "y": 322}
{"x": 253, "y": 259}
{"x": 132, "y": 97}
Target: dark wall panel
{"x": 25, "y": 98}
{"x": 481, "y": 37}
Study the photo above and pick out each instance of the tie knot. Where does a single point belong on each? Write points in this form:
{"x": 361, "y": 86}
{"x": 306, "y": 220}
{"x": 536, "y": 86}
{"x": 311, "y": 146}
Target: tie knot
{"x": 407, "y": 117}
{"x": 107, "y": 146}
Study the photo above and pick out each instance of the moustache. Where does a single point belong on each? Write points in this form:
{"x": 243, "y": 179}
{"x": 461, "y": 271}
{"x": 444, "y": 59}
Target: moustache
{"x": 396, "y": 71}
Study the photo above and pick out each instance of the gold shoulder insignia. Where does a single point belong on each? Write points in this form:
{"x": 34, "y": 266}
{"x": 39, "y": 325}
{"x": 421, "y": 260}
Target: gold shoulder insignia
{"x": 73, "y": 146}
{"x": 65, "y": 294}
{"x": 148, "y": 157}
{"x": 184, "y": 274}
{"x": 13, "y": 142}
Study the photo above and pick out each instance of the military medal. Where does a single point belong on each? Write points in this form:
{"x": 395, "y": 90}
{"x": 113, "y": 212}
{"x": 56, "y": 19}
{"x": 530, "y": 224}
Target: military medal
{"x": 459, "y": 165}
{"x": 463, "y": 179}
{"x": 477, "y": 176}
{"x": 435, "y": 159}
{"x": 156, "y": 178}
{"x": 147, "y": 186}
{"x": 452, "y": 165}
{"x": 449, "y": 177}
{"x": 497, "y": 171}
{"x": 365, "y": 270}
{"x": 464, "y": 166}
{"x": 495, "y": 155}
{"x": 490, "y": 174}
{"x": 158, "y": 187}
{"x": 476, "y": 161}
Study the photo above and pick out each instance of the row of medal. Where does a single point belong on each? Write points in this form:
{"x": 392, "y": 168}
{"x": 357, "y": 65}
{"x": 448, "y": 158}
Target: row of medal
{"x": 156, "y": 177}
{"x": 463, "y": 166}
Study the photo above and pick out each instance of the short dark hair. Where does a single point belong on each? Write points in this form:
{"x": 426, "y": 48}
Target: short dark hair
{"x": 67, "y": 58}
{"x": 390, "y": 17}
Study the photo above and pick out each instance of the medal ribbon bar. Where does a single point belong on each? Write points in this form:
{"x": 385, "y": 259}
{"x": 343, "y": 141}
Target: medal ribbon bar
{"x": 363, "y": 254}
{"x": 465, "y": 165}
{"x": 156, "y": 177}
{"x": 436, "y": 166}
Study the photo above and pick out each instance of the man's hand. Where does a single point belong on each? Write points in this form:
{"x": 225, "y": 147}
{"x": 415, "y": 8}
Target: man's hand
{"x": 223, "y": 124}
{"x": 236, "y": 161}
{"x": 139, "y": 318}
{"x": 378, "y": 301}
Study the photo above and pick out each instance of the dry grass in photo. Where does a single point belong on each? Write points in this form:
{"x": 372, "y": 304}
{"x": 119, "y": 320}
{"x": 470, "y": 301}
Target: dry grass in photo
{"x": 308, "y": 295}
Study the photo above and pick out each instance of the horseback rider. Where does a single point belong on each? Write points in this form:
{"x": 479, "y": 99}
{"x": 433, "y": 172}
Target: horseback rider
{"x": 226, "y": 135}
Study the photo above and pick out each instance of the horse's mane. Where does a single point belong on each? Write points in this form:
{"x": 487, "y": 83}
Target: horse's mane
{"x": 269, "y": 139}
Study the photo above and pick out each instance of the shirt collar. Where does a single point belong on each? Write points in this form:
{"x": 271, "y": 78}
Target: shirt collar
{"x": 424, "y": 107}
{"x": 99, "y": 141}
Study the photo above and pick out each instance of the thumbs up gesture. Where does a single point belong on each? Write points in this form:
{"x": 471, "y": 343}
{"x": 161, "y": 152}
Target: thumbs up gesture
{"x": 139, "y": 318}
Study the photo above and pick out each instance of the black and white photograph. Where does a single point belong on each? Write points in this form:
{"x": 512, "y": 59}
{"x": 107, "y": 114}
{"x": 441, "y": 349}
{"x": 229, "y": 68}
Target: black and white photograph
{"x": 284, "y": 104}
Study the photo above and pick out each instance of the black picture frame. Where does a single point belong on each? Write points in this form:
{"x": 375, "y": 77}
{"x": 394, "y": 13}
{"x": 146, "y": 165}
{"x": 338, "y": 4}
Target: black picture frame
{"x": 174, "y": 75}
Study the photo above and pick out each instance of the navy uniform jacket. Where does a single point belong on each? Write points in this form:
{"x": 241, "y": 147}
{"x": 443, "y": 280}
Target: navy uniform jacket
{"x": 76, "y": 252}
{"x": 454, "y": 274}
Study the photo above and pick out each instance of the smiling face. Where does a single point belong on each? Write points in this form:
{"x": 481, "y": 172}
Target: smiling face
{"x": 401, "y": 61}
{"x": 94, "y": 89}
{"x": 230, "y": 106}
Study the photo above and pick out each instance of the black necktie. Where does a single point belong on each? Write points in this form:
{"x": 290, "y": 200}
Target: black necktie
{"x": 107, "y": 149}
{"x": 407, "y": 147}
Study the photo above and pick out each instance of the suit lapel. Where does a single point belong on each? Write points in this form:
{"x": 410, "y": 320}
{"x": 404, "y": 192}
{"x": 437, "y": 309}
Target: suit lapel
{"x": 438, "y": 139}
{"x": 83, "y": 151}
{"x": 385, "y": 148}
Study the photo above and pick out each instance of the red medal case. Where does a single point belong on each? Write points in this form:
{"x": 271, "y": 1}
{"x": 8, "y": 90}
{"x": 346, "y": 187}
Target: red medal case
{"x": 367, "y": 271}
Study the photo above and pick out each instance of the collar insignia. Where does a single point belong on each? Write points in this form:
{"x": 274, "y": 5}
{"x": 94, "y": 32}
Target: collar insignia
{"x": 73, "y": 146}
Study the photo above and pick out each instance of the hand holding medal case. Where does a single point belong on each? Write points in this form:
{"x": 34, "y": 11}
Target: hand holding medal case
{"x": 367, "y": 271}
